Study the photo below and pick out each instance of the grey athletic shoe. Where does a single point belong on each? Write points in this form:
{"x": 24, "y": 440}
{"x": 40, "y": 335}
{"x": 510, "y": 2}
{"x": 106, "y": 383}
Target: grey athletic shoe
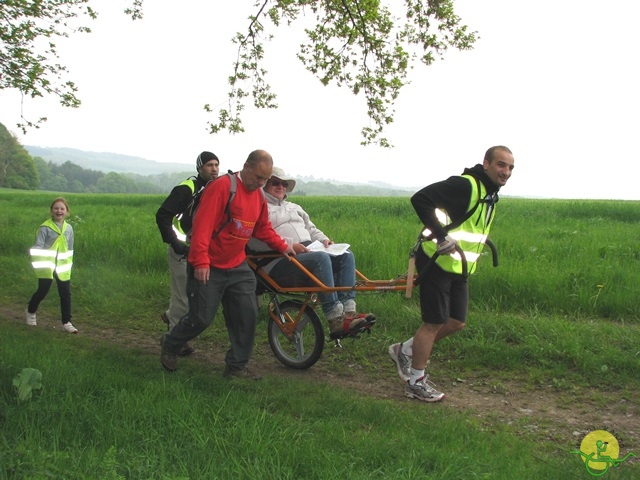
{"x": 423, "y": 390}
{"x": 402, "y": 361}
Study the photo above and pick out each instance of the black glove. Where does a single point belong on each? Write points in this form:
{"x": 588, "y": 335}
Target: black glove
{"x": 180, "y": 248}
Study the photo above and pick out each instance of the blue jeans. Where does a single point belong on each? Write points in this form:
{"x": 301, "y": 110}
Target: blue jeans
{"x": 333, "y": 271}
{"x": 235, "y": 288}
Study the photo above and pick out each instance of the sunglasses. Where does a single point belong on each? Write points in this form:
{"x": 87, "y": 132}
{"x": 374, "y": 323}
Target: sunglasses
{"x": 277, "y": 183}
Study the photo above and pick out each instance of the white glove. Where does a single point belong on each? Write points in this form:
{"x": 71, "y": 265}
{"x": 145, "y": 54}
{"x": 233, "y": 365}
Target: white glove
{"x": 447, "y": 245}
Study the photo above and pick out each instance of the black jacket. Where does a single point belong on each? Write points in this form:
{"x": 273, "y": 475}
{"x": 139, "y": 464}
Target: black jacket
{"x": 175, "y": 204}
{"x": 451, "y": 195}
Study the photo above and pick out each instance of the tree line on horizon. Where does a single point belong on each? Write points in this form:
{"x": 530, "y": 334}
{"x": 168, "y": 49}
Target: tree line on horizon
{"x": 19, "y": 170}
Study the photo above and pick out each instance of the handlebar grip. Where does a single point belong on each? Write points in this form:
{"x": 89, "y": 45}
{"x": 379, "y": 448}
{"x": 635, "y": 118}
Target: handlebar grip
{"x": 494, "y": 251}
{"x": 465, "y": 269}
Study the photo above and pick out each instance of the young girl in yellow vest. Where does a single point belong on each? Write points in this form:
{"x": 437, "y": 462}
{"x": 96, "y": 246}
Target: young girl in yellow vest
{"x": 52, "y": 257}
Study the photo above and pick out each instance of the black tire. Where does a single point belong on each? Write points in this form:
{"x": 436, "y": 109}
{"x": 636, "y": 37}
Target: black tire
{"x": 304, "y": 347}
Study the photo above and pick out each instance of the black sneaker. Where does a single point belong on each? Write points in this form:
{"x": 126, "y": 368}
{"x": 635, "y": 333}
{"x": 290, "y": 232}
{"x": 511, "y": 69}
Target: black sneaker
{"x": 186, "y": 350}
{"x": 246, "y": 373}
{"x": 168, "y": 357}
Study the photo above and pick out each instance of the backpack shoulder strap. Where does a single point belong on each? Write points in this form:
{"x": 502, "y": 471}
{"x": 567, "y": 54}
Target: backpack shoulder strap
{"x": 195, "y": 195}
{"x": 232, "y": 194}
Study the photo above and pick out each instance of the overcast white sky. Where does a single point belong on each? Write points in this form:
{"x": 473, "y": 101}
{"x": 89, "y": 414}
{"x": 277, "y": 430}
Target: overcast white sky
{"x": 555, "y": 80}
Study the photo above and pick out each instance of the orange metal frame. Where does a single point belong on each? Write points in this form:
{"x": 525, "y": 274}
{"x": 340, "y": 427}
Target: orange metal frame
{"x": 363, "y": 284}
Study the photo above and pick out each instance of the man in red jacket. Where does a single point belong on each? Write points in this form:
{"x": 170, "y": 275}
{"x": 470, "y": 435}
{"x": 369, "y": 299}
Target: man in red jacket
{"x": 218, "y": 267}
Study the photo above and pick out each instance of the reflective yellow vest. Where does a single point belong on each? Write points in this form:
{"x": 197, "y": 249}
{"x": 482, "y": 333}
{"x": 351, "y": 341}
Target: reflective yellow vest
{"x": 471, "y": 234}
{"x": 177, "y": 228}
{"x": 58, "y": 257}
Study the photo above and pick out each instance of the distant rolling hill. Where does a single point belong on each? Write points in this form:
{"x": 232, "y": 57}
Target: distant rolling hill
{"x": 167, "y": 175}
{"x": 104, "y": 161}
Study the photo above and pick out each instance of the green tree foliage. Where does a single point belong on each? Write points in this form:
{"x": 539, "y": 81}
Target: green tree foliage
{"x": 160, "y": 183}
{"x": 116, "y": 183}
{"x": 361, "y": 45}
{"x": 69, "y": 177}
{"x": 17, "y": 169}
{"x": 28, "y": 53}
{"x": 358, "y": 44}
{"x": 78, "y": 175}
{"x": 49, "y": 181}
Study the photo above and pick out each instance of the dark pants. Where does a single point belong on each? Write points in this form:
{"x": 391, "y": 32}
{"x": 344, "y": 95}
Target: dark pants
{"x": 235, "y": 288}
{"x": 64, "y": 291}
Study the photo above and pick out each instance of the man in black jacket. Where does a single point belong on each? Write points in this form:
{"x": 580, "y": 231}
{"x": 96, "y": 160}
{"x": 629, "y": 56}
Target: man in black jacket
{"x": 457, "y": 214}
{"x": 174, "y": 218}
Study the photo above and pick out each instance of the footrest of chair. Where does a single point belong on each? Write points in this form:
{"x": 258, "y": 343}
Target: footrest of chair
{"x": 369, "y": 322}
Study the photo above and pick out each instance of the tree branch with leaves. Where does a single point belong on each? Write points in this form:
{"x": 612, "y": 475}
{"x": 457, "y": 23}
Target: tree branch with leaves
{"x": 357, "y": 44}
{"x": 28, "y": 52}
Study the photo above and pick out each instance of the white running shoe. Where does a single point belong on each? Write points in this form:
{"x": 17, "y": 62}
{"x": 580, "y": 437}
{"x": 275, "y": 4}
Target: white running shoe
{"x": 69, "y": 328}
{"x": 423, "y": 390}
{"x": 31, "y": 319}
{"x": 402, "y": 361}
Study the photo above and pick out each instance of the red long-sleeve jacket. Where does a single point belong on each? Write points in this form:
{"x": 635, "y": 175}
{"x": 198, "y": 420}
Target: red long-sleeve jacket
{"x": 249, "y": 218}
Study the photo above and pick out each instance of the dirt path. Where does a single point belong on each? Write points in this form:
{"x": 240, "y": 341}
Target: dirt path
{"x": 545, "y": 412}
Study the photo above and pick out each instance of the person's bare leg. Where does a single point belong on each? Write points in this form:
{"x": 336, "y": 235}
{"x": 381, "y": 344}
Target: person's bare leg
{"x": 452, "y": 326}
{"x": 426, "y": 336}
{"x": 423, "y": 342}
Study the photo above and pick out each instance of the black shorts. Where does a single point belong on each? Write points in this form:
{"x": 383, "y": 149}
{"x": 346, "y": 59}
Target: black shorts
{"x": 443, "y": 295}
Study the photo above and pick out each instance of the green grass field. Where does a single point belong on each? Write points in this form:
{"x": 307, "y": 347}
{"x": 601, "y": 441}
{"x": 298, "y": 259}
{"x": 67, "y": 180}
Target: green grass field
{"x": 559, "y": 317}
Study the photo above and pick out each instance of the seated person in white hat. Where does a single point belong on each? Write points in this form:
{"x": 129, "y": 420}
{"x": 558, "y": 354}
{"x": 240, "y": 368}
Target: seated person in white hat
{"x": 293, "y": 224}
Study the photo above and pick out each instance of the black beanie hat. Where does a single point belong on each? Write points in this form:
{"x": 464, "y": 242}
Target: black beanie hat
{"x": 205, "y": 157}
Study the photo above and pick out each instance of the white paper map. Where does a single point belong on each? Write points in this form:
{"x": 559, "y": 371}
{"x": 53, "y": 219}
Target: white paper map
{"x": 334, "y": 249}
